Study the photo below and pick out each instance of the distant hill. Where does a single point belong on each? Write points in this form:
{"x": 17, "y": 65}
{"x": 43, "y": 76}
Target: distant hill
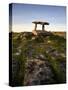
{"x": 63, "y": 34}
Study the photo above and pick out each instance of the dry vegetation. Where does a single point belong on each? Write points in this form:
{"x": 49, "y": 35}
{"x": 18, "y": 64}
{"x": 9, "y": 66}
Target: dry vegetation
{"x": 38, "y": 60}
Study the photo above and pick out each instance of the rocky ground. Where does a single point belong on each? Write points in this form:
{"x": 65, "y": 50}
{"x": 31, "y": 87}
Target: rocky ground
{"x": 38, "y": 60}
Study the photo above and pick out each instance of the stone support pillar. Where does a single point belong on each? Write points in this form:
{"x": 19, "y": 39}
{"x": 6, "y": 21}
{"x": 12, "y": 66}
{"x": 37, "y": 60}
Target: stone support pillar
{"x": 42, "y": 27}
{"x": 35, "y": 26}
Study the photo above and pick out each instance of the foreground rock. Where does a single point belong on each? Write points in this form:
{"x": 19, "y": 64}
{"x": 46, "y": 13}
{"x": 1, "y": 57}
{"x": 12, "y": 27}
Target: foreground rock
{"x": 38, "y": 72}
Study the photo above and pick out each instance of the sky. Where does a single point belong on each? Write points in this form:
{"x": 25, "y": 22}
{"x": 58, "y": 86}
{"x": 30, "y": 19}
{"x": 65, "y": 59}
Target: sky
{"x": 24, "y": 14}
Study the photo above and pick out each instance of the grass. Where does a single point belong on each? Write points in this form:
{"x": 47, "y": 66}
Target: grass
{"x": 39, "y": 46}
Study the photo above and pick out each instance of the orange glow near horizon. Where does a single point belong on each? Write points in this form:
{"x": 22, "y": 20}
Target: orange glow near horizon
{"x": 29, "y": 28}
